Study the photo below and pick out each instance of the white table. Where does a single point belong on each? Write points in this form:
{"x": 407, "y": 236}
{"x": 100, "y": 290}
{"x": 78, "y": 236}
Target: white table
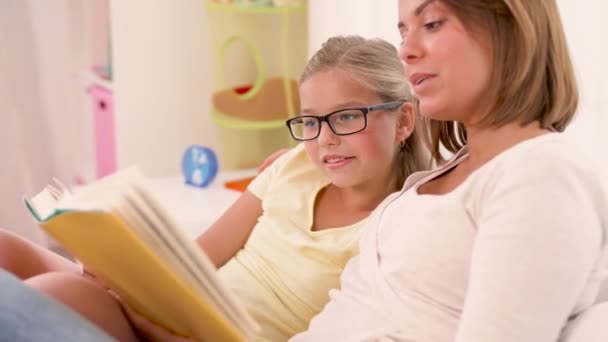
{"x": 195, "y": 209}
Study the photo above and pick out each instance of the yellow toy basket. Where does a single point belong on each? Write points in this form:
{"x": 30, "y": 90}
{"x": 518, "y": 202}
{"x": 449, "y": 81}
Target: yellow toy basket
{"x": 245, "y": 144}
{"x": 259, "y": 53}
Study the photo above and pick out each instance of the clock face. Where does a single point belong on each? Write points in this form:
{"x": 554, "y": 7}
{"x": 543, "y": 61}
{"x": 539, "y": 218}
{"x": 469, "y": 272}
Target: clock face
{"x": 199, "y": 166}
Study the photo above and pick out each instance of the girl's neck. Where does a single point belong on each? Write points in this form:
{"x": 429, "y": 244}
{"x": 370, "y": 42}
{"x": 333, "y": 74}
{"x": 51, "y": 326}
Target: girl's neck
{"x": 364, "y": 197}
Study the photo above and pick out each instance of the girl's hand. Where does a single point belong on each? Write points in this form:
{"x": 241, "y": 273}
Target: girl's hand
{"x": 271, "y": 158}
{"x": 148, "y": 330}
{"x": 87, "y": 273}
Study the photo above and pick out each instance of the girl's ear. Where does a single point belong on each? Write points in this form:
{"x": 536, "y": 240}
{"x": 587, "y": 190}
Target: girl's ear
{"x": 406, "y": 122}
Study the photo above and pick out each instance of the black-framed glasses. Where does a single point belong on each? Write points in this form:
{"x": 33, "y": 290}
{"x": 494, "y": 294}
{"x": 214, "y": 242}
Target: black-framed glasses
{"x": 342, "y": 122}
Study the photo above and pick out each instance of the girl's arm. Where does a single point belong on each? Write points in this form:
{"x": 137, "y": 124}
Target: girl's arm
{"x": 230, "y": 232}
{"x": 539, "y": 240}
{"x": 149, "y": 331}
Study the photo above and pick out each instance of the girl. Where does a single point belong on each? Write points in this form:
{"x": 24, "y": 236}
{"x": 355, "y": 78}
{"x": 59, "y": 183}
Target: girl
{"x": 506, "y": 241}
{"x": 285, "y": 241}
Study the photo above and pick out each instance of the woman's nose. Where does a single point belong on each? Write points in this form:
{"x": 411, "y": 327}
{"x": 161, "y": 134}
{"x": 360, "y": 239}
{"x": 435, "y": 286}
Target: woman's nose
{"x": 410, "y": 50}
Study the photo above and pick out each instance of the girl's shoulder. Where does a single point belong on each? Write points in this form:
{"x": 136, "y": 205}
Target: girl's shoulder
{"x": 293, "y": 171}
{"x": 295, "y": 164}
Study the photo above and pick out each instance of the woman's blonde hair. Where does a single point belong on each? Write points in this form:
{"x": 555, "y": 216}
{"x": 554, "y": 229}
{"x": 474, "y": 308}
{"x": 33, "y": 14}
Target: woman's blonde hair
{"x": 533, "y": 78}
{"x": 375, "y": 64}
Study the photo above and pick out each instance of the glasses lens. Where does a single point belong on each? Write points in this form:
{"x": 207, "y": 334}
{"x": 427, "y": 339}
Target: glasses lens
{"x": 304, "y": 128}
{"x": 347, "y": 121}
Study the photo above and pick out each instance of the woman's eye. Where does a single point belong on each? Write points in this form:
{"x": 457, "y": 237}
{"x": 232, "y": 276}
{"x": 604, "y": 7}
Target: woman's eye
{"x": 433, "y": 25}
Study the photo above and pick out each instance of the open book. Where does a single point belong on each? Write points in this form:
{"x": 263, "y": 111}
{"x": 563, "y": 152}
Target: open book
{"x": 121, "y": 233}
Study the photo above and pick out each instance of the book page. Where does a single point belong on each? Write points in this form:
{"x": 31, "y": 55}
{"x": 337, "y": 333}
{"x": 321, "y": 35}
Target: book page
{"x": 193, "y": 263}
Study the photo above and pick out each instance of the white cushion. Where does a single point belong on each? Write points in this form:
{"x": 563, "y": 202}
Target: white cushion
{"x": 603, "y": 294}
{"x": 590, "y": 326}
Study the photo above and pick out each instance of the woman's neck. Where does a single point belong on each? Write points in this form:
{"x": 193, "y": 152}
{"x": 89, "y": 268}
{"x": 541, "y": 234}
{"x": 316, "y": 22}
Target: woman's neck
{"x": 486, "y": 143}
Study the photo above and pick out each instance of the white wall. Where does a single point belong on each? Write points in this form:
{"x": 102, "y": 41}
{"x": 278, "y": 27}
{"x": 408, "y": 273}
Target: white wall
{"x": 585, "y": 27}
{"x": 162, "y": 85}
{"x": 367, "y": 18}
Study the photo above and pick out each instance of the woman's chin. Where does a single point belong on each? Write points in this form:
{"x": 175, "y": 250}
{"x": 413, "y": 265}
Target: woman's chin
{"x": 434, "y": 111}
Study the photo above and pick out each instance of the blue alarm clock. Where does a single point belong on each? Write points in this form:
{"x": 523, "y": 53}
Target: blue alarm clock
{"x": 199, "y": 166}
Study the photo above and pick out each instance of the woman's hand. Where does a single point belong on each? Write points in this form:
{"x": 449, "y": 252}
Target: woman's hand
{"x": 148, "y": 330}
{"x": 271, "y": 158}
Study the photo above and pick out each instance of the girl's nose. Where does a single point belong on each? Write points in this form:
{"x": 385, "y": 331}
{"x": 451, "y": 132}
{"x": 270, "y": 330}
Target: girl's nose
{"x": 327, "y": 137}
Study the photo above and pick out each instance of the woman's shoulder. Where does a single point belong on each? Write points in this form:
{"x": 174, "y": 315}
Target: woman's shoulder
{"x": 554, "y": 152}
{"x": 552, "y": 161}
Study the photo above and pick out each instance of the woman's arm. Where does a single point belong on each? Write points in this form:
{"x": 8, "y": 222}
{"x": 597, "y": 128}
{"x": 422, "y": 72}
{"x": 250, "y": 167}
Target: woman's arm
{"x": 539, "y": 238}
{"x": 230, "y": 232}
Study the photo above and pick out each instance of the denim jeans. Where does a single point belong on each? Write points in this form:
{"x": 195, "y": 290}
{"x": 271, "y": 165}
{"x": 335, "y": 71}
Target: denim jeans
{"x": 26, "y": 315}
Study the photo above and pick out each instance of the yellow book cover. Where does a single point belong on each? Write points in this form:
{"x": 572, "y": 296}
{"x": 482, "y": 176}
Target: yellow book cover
{"x": 120, "y": 232}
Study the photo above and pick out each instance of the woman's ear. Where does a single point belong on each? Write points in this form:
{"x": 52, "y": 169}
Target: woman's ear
{"x": 406, "y": 122}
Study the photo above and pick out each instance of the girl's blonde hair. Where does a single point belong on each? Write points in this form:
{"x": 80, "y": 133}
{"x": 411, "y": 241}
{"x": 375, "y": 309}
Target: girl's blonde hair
{"x": 375, "y": 64}
{"x": 533, "y": 77}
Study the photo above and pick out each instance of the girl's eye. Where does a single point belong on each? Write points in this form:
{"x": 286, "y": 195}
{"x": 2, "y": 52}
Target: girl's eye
{"x": 347, "y": 117}
{"x": 310, "y": 123}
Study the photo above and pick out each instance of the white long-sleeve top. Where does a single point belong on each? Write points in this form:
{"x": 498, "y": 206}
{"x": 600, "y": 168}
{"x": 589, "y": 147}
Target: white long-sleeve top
{"x": 509, "y": 255}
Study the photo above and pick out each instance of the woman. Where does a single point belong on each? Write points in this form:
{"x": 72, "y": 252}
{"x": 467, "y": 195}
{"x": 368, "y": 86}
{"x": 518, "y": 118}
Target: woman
{"x": 507, "y": 240}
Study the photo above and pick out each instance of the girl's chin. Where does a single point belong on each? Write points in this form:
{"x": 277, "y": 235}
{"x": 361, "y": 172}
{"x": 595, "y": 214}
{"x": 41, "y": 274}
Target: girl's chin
{"x": 342, "y": 181}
